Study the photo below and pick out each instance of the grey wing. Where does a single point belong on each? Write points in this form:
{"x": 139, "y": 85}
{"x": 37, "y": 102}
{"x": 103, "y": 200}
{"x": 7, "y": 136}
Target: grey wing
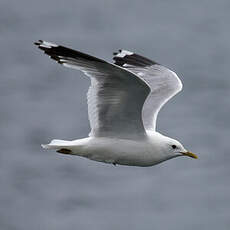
{"x": 163, "y": 82}
{"x": 115, "y": 97}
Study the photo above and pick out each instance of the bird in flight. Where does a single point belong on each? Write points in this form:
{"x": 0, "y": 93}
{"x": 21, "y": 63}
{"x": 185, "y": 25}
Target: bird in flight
{"x": 124, "y": 99}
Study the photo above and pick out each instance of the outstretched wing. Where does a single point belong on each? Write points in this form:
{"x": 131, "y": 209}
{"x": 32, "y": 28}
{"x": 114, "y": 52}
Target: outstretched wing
{"x": 163, "y": 82}
{"x": 115, "y": 97}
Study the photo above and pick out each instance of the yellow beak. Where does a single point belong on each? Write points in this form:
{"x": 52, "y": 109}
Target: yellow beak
{"x": 189, "y": 154}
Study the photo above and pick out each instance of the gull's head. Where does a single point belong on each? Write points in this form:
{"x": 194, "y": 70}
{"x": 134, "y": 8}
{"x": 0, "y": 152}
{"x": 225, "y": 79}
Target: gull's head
{"x": 174, "y": 148}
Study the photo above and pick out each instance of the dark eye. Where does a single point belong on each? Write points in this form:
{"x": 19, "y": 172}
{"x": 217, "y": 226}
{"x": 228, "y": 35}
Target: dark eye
{"x": 174, "y": 146}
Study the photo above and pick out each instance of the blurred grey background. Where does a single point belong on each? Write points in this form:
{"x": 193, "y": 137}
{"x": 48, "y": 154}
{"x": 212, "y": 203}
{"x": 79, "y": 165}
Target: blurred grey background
{"x": 41, "y": 100}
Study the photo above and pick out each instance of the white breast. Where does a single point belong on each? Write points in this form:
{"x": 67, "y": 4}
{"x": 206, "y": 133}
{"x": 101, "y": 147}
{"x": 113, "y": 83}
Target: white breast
{"x": 118, "y": 151}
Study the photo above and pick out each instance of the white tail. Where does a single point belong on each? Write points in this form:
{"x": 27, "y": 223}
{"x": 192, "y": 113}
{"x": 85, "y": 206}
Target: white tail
{"x": 57, "y": 144}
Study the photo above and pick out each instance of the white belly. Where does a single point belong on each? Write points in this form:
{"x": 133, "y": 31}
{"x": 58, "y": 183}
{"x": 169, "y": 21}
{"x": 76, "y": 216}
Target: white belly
{"x": 116, "y": 151}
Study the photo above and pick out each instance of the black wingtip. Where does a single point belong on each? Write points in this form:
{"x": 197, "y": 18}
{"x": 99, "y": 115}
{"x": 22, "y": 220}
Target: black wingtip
{"x": 37, "y": 43}
{"x": 131, "y": 58}
{"x": 58, "y": 52}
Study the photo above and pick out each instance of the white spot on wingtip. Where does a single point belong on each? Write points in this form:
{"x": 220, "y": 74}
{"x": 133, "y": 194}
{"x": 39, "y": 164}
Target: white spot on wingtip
{"x": 44, "y": 146}
{"x": 47, "y": 44}
{"x": 123, "y": 53}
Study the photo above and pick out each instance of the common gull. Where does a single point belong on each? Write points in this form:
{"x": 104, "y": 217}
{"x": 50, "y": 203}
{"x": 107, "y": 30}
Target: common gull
{"x": 123, "y": 103}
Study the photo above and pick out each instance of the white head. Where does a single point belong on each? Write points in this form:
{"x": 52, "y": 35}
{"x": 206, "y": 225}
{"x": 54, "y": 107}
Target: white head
{"x": 171, "y": 148}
